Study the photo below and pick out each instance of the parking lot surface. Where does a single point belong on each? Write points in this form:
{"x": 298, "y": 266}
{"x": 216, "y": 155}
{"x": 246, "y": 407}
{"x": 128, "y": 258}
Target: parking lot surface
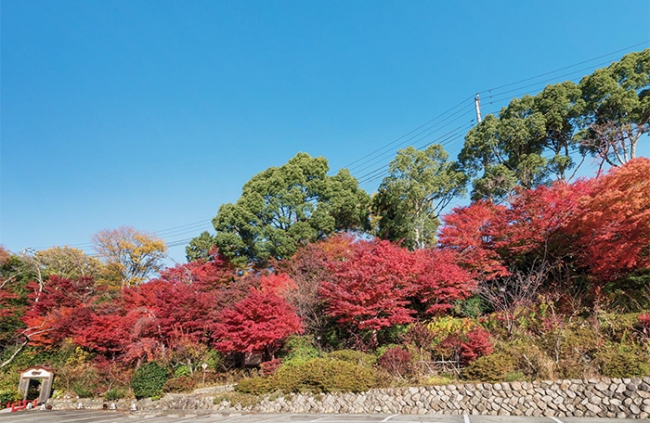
{"x": 85, "y": 416}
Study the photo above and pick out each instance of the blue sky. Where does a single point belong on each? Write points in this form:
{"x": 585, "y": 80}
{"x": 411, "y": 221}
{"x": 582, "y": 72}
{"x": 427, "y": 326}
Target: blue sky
{"x": 152, "y": 114}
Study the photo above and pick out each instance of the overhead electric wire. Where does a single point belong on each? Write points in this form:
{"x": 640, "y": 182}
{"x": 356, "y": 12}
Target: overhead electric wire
{"x": 487, "y": 97}
{"x": 177, "y": 228}
{"x": 349, "y": 166}
{"x": 567, "y": 67}
{"x": 369, "y": 159}
{"x": 382, "y": 171}
{"x": 423, "y": 134}
{"x": 541, "y": 84}
{"x": 442, "y": 137}
{"x": 445, "y": 139}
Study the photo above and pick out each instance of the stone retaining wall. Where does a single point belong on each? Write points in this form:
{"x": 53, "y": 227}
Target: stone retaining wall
{"x": 621, "y": 398}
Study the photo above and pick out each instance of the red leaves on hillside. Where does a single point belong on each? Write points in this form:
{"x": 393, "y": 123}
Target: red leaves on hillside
{"x": 602, "y": 224}
{"x": 374, "y": 288}
{"x": 439, "y": 281}
{"x": 614, "y": 226}
{"x": 370, "y": 290}
{"x": 58, "y": 310}
{"x": 469, "y": 231}
{"x": 537, "y": 219}
{"x": 258, "y": 322}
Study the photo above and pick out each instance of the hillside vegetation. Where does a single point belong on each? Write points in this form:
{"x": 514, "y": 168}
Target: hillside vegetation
{"x": 541, "y": 276}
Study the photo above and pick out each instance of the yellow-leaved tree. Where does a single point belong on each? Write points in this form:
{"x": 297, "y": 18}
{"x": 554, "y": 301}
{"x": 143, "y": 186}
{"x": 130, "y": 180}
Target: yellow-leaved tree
{"x": 130, "y": 256}
{"x": 67, "y": 262}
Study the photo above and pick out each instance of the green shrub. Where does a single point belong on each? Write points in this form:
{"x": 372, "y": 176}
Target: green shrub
{"x": 471, "y": 307}
{"x": 570, "y": 347}
{"x": 619, "y": 361}
{"x": 352, "y": 356}
{"x": 298, "y": 349}
{"x": 316, "y": 375}
{"x": 531, "y": 363}
{"x": 515, "y": 377}
{"x": 182, "y": 371}
{"x": 619, "y": 328}
{"x": 10, "y": 395}
{"x": 255, "y": 385}
{"x": 490, "y": 368}
{"x": 9, "y": 380}
{"x": 82, "y": 390}
{"x": 114, "y": 394}
{"x": 149, "y": 380}
{"x": 179, "y": 384}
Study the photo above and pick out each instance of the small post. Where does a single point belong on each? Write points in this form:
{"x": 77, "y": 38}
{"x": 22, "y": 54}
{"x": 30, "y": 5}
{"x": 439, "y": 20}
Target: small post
{"x": 205, "y": 367}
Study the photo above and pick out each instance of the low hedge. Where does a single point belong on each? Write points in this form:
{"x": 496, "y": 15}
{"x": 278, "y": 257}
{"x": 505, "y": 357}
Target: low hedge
{"x": 315, "y": 375}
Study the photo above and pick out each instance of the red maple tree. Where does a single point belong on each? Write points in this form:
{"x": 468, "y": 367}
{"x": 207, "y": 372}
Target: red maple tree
{"x": 258, "y": 322}
{"x": 613, "y": 229}
{"x": 371, "y": 289}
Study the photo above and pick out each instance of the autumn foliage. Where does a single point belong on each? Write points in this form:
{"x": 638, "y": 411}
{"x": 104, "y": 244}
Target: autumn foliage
{"x": 614, "y": 227}
{"x": 256, "y": 323}
{"x": 379, "y": 283}
{"x": 552, "y": 243}
{"x": 603, "y": 222}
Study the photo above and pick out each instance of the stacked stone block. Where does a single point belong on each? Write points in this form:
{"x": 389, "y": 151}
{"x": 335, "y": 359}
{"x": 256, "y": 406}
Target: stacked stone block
{"x": 613, "y": 398}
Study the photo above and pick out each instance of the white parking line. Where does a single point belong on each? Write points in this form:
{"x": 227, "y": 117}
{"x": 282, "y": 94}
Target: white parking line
{"x": 466, "y": 418}
{"x": 556, "y": 420}
{"x": 389, "y": 417}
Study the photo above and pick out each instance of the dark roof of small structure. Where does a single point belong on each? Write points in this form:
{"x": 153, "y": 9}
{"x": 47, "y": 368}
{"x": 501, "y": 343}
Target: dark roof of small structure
{"x": 36, "y": 367}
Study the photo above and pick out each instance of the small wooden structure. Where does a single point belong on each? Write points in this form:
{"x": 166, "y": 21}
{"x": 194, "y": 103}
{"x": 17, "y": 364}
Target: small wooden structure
{"x": 44, "y": 374}
{"x": 253, "y": 358}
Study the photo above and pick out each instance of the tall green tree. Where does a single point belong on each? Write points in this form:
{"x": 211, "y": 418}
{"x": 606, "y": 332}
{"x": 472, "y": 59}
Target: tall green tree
{"x": 537, "y": 139}
{"x": 284, "y": 207}
{"x": 199, "y": 247}
{"x": 530, "y": 142}
{"x": 420, "y": 184}
{"x": 617, "y": 108}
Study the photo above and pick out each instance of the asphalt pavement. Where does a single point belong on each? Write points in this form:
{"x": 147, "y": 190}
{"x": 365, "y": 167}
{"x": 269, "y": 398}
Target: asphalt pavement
{"x": 86, "y": 416}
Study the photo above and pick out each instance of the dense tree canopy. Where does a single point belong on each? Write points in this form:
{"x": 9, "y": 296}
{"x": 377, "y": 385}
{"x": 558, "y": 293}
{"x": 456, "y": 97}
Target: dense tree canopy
{"x": 511, "y": 149}
{"x": 617, "y": 108}
{"x": 200, "y": 247}
{"x": 420, "y": 184}
{"x": 537, "y": 139}
{"x": 613, "y": 227}
{"x": 601, "y": 225}
{"x": 284, "y": 207}
{"x": 377, "y": 284}
{"x": 257, "y": 323}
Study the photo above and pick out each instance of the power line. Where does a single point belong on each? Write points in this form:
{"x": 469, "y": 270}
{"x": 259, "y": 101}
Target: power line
{"x": 349, "y": 166}
{"x": 423, "y": 134}
{"x": 445, "y": 139}
{"x": 376, "y": 156}
{"x": 541, "y": 84}
{"x": 566, "y": 67}
{"x": 379, "y": 154}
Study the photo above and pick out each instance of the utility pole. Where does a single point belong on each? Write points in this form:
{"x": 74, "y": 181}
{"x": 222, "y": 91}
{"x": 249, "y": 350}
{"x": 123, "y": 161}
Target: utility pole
{"x": 477, "y": 104}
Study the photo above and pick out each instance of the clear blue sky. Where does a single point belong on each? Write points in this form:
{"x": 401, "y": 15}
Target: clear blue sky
{"x": 153, "y": 113}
